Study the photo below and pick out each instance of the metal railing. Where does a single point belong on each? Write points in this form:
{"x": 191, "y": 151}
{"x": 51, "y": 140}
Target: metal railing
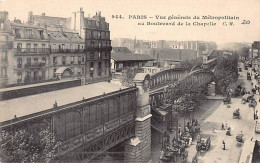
{"x": 90, "y": 48}
{"x": 19, "y": 51}
{"x": 67, "y": 50}
{"x": 34, "y": 65}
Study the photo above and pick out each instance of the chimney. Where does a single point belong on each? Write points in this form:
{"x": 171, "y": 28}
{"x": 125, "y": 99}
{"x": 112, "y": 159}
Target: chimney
{"x": 43, "y": 14}
{"x": 30, "y": 19}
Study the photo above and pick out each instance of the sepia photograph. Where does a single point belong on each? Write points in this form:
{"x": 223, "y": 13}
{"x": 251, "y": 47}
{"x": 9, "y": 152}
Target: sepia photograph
{"x": 129, "y": 81}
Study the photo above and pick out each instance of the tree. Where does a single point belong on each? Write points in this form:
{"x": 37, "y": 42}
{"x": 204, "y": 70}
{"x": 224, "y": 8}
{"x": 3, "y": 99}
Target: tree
{"x": 188, "y": 64}
{"x": 21, "y": 147}
{"x": 128, "y": 75}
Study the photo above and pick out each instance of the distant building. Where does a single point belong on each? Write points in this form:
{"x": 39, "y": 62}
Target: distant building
{"x": 122, "y": 58}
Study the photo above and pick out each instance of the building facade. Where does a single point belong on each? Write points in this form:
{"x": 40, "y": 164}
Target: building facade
{"x": 31, "y": 53}
{"x": 98, "y": 49}
{"x": 6, "y": 49}
{"x": 48, "y": 48}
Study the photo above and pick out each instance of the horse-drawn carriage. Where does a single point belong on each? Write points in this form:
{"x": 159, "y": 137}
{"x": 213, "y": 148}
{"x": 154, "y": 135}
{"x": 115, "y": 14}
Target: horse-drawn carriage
{"x": 168, "y": 155}
{"x": 252, "y": 103}
{"x": 203, "y": 144}
{"x": 227, "y": 100}
{"x": 247, "y": 98}
{"x": 184, "y": 155}
{"x": 236, "y": 114}
{"x": 239, "y": 138}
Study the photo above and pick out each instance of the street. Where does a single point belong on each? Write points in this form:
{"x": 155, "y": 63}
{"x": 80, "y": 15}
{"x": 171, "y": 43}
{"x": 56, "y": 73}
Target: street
{"x": 210, "y": 116}
{"x": 211, "y": 126}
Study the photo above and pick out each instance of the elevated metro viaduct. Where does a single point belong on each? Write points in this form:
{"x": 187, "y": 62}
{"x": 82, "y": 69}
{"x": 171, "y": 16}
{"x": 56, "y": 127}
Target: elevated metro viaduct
{"x": 90, "y": 119}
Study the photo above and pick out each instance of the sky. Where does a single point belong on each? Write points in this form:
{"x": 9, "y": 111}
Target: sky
{"x": 248, "y": 10}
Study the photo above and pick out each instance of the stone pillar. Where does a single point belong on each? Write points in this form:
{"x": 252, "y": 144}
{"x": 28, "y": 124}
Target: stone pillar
{"x": 212, "y": 89}
{"x": 138, "y": 149}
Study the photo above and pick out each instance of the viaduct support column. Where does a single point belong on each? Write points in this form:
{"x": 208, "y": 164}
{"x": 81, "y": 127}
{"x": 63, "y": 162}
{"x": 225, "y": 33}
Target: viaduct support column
{"x": 138, "y": 149}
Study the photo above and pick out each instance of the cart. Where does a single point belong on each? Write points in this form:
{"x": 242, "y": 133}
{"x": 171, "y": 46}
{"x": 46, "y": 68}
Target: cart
{"x": 184, "y": 156}
{"x": 227, "y": 100}
{"x": 239, "y": 138}
{"x": 236, "y": 114}
{"x": 252, "y": 103}
{"x": 204, "y": 144}
{"x": 167, "y": 156}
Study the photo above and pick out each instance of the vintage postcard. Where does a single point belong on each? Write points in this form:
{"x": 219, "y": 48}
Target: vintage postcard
{"x": 130, "y": 81}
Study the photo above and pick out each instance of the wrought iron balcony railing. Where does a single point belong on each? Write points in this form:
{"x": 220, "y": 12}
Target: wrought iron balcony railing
{"x": 67, "y": 50}
{"x": 22, "y": 51}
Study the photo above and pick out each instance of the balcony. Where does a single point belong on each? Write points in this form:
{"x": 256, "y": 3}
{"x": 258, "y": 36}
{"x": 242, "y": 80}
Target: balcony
{"x": 93, "y": 48}
{"x": 53, "y": 51}
{"x": 31, "y": 51}
{"x": 34, "y": 65}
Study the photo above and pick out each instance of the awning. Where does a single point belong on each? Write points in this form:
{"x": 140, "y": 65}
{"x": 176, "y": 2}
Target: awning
{"x": 60, "y": 70}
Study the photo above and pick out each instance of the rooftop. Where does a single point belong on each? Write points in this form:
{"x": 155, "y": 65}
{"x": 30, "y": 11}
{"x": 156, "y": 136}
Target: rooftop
{"x": 36, "y": 103}
{"x": 56, "y": 36}
{"x": 173, "y": 54}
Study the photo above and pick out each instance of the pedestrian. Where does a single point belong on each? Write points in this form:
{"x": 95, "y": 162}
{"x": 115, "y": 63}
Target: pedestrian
{"x": 223, "y": 145}
{"x": 222, "y": 127}
{"x": 226, "y": 124}
{"x": 254, "y": 116}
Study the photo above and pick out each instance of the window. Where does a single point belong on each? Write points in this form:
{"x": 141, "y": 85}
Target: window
{"x": 71, "y": 59}
{"x": 3, "y": 71}
{"x": 105, "y": 54}
{"x": 99, "y": 73}
{"x": 35, "y": 60}
{"x": 2, "y": 25}
{"x": 82, "y": 70}
{"x": 54, "y": 60}
{"x": 99, "y": 55}
{"x": 105, "y": 72}
{"x": 17, "y": 33}
{"x": 44, "y": 60}
{"x": 19, "y": 62}
{"x": 99, "y": 35}
{"x": 78, "y": 47}
{"x": 91, "y": 74}
{"x": 4, "y": 56}
{"x": 79, "y": 60}
{"x": 92, "y": 55}
{"x": 63, "y": 60}
{"x": 91, "y": 34}
{"x": 43, "y": 47}
{"x": 28, "y": 61}
{"x": 91, "y": 64}
{"x": 83, "y": 59}
{"x": 28, "y": 47}
{"x": 41, "y": 34}
{"x": 99, "y": 65}
{"x": 99, "y": 44}
{"x": 54, "y": 71}
{"x": 29, "y": 33}
{"x": 19, "y": 77}
{"x": 35, "y": 47}
{"x": 92, "y": 43}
